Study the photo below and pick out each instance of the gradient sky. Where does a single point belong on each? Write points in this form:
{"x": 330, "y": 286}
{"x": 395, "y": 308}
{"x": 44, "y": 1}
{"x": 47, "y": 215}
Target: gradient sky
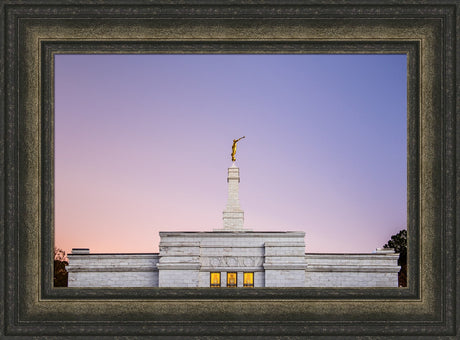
{"x": 143, "y": 143}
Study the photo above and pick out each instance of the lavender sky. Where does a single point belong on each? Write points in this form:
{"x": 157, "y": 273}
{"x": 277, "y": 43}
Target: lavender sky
{"x": 143, "y": 143}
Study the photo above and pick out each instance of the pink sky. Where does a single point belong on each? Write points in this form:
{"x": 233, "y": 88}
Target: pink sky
{"x": 143, "y": 145}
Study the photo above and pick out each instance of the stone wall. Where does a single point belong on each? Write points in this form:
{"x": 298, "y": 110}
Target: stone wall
{"x": 179, "y": 263}
{"x": 285, "y": 264}
{"x": 378, "y": 269}
{"x": 277, "y": 259}
{"x": 113, "y": 270}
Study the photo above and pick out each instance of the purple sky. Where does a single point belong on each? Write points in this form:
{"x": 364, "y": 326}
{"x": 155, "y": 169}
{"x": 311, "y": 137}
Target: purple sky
{"x": 143, "y": 144}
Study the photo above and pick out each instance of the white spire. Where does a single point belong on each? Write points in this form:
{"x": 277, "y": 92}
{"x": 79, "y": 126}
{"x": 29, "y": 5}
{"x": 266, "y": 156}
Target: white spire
{"x": 233, "y": 214}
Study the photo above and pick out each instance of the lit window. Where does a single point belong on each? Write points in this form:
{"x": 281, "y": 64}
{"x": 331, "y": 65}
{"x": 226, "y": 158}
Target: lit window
{"x": 231, "y": 280}
{"x": 248, "y": 280}
{"x": 215, "y": 279}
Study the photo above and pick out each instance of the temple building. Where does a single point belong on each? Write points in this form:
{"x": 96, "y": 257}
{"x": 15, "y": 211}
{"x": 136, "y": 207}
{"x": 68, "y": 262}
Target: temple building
{"x": 233, "y": 256}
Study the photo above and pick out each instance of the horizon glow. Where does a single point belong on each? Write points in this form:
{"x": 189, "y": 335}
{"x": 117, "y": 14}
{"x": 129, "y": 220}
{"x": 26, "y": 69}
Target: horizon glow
{"x": 143, "y": 143}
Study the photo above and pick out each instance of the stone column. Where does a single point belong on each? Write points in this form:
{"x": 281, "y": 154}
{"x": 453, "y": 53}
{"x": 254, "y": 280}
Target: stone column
{"x": 233, "y": 214}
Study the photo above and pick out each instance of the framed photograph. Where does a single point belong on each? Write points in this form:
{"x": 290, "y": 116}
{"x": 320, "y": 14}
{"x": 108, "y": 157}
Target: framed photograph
{"x": 36, "y": 35}
{"x": 143, "y": 149}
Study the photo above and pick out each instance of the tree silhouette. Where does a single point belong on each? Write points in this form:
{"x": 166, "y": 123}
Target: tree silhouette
{"x": 399, "y": 243}
{"x": 60, "y": 273}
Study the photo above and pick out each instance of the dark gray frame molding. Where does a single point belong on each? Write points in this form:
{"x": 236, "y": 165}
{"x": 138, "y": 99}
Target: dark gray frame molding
{"x": 32, "y": 32}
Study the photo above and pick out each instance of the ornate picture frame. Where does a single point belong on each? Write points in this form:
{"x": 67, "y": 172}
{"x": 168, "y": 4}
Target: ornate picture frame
{"x": 35, "y": 32}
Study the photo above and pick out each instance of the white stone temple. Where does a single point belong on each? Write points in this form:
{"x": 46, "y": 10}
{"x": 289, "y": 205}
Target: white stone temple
{"x": 233, "y": 256}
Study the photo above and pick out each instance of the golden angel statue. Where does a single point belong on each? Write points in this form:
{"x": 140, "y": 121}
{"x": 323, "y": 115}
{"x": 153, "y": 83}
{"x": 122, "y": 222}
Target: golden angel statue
{"x": 234, "y": 148}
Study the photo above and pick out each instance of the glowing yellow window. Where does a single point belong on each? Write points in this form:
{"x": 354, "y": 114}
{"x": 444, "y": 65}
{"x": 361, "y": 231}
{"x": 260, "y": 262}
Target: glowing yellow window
{"x": 248, "y": 280}
{"x": 231, "y": 280}
{"x": 215, "y": 279}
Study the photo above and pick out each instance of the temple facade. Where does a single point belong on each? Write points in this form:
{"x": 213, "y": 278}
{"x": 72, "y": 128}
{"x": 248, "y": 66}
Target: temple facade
{"x": 233, "y": 256}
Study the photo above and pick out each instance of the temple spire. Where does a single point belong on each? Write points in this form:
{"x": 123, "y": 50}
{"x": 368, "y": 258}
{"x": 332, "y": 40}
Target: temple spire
{"x": 233, "y": 214}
